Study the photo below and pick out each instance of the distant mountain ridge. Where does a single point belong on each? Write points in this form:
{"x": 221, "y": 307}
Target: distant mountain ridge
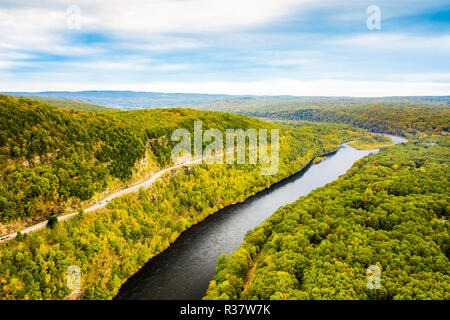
{"x": 128, "y": 100}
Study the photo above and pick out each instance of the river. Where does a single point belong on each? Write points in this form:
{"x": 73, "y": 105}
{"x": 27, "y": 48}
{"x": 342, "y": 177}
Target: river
{"x": 184, "y": 270}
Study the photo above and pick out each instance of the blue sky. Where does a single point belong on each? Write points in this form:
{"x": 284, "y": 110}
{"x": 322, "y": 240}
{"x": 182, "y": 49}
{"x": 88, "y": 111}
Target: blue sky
{"x": 298, "y": 47}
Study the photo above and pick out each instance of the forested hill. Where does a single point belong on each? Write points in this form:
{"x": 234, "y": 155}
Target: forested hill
{"x": 68, "y": 104}
{"x": 112, "y": 243}
{"x": 397, "y": 118}
{"x": 389, "y": 210}
{"x": 52, "y": 157}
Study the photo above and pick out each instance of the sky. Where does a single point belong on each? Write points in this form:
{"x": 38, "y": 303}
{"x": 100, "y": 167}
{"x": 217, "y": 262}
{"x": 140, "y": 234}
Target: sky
{"x": 261, "y": 47}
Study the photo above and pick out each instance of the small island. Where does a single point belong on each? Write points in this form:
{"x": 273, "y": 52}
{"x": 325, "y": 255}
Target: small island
{"x": 371, "y": 142}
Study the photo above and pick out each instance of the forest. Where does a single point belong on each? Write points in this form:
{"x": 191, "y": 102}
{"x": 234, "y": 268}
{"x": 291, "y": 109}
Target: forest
{"x": 389, "y": 210}
{"x": 67, "y": 104}
{"x": 53, "y": 158}
{"x": 406, "y": 119}
{"x": 371, "y": 142}
{"x": 111, "y": 244}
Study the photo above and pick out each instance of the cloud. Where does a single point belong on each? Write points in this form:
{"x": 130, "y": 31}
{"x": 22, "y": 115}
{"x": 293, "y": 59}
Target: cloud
{"x": 38, "y": 30}
{"x": 143, "y": 17}
{"x": 163, "y": 43}
{"x": 129, "y": 64}
{"x": 189, "y": 16}
{"x": 299, "y": 46}
{"x": 28, "y": 28}
{"x": 139, "y": 25}
{"x": 396, "y": 42}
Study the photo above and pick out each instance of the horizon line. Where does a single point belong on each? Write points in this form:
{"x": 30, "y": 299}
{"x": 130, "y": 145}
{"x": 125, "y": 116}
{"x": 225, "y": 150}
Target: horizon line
{"x": 221, "y": 94}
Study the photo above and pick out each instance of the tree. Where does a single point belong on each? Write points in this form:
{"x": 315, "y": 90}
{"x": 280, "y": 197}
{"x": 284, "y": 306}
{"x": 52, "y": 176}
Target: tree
{"x": 52, "y": 221}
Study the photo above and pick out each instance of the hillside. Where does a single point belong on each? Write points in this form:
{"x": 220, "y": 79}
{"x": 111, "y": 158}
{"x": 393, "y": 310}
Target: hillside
{"x": 112, "y": 243}
{"x": 68, "y": 104}
{"x": 397, "y": 118}
{"x": 52, "y": 158}
{"x": 390, "y": 211}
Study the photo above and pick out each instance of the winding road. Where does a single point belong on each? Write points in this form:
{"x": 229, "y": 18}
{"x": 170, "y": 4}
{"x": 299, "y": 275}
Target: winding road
{"x": 145, "y": 184}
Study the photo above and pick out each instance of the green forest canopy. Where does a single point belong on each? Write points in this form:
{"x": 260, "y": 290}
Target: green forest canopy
{"x": 111, "y": 244}
{"x": 68, "y": 104}
{"x": 50, "y": 156}
{"x": 405, "y": 119}
{"x": 390, "y": 209}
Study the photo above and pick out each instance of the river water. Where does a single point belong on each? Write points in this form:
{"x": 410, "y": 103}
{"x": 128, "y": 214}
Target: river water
{"x": 184, "y": 270}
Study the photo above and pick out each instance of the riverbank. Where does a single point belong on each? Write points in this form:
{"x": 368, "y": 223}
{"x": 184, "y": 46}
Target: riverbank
{"x": 308, "y": 245}
{"x": 198, "y": 224}
{"x": 184, "y": 270}
{"x": 112, "y": 243}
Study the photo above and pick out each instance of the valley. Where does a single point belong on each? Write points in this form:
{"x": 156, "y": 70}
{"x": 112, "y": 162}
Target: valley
{"x": 141, "y": 220}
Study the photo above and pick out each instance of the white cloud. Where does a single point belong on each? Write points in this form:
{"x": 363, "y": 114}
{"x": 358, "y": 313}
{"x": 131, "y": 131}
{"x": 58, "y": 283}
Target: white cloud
{"x": 396, "y": 42}
{"x": 27, "y": 28}
{"x": 125, "y": 64}
{"x": 39, "y": 30}
{"x": 130, "y": 18}
{"x": 162, "y": 43}
{"x": 134, "y": 24}
{"x": 162, "y": 25}
{"x": 163, "y": 16}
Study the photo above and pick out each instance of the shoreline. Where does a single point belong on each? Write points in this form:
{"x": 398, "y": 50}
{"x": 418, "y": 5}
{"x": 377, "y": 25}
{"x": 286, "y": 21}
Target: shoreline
{"x": 236, "y": 203}
{"x": 258, "y": 193}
